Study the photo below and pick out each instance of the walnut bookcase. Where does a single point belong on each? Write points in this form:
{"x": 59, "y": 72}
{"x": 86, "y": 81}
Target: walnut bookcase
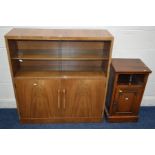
{"x": 59, "y": 75}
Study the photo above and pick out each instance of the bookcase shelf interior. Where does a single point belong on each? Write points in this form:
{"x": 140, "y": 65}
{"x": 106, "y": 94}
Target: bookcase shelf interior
{"x": 43, "y": 55}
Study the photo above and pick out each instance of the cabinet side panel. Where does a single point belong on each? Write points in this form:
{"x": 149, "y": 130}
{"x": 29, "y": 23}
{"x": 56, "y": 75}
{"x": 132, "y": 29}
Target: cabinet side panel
{"x": 110, "y": 87}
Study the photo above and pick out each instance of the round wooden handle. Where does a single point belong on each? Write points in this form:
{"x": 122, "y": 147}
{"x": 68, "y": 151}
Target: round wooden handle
{"x": 126, "y": 98}
{"x": 20, "y": 60}
{"x": 120, "y": 91}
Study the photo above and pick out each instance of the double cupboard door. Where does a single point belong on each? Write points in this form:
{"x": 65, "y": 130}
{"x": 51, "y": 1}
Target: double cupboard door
{"x": 54, "y": 98}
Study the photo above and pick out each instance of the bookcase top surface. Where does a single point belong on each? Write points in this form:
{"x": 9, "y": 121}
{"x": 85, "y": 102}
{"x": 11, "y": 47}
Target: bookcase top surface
{"x": 129, "y": 65}
{"x": 59, "y": 34}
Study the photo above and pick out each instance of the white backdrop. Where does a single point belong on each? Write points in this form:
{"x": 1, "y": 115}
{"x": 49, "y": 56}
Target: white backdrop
{"x": 130, "y": 42}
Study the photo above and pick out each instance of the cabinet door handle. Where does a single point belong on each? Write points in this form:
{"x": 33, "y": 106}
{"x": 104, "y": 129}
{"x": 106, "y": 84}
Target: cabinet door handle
{"x": 58, "y": 98}
{"x": 126, "y": 98}
{"x": 20, "y": 60}
{"x": 120, "y": 91}
{"x": 64, "y": 98}
{"x": 35, "y": 84}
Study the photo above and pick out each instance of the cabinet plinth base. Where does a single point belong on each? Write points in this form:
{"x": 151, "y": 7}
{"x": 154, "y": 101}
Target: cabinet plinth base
{"x": 119, "y": 119}
{"x": 62, "y": 120}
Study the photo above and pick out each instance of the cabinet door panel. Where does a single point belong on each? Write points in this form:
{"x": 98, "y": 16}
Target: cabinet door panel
{"x": 37, "y": 98}
{"x": 83, "y": 98}
{"x": 126, "y": 101}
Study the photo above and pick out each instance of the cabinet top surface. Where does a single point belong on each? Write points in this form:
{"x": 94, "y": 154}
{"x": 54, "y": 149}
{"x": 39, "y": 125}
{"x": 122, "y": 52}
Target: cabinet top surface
{"x": 59, "y": 34}
{"x": 129, "y": 65}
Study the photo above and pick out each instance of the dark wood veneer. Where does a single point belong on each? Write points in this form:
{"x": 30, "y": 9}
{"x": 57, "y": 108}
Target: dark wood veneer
{"x": 127, "y": 83}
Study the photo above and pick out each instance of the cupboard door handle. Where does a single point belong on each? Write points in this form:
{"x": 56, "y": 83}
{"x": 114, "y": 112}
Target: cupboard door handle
{"x": 120, "y": 91}
{"x": 20, "y": 60}
{"x": 64, "y": 98}
{"x": 58, "y": 98}
{"x": 126, "y": 98}
{"x": 35, "y": 84}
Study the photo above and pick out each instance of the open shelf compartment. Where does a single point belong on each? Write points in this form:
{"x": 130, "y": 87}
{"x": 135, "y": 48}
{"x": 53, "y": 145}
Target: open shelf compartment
{"x": 131, "y": 79}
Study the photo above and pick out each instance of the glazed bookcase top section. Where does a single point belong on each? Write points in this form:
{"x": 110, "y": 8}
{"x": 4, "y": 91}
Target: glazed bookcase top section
{"x": 59, "y": 34}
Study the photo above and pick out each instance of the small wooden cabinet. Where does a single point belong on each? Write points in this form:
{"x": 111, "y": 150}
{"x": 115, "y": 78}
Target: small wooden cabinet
{"x": 59, "y": 75}
{"x": 127, "y": 82}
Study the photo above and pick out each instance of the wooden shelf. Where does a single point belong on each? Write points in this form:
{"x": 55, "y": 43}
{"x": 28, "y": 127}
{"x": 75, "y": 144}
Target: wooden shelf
{"x": 56, "y": 55}
{"x": 130, "y": 85}
{"x": 58, "y": 74}
{"x": 48, "y": 57}
{"x": 65, "y": 68}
